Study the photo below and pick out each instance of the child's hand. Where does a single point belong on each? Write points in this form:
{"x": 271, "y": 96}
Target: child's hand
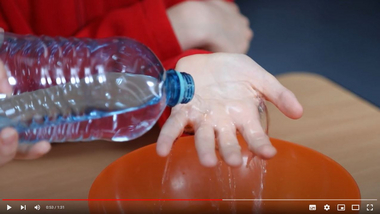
{"x": 224, "y": 102}
{"x": 9, "y": 146}
{"x": 217, "y": 26}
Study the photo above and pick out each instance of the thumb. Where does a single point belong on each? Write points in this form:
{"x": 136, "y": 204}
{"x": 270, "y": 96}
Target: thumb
{"x": 28, "y": 151}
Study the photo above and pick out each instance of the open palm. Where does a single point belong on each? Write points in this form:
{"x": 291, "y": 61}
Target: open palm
{"x": 229, "y": 96}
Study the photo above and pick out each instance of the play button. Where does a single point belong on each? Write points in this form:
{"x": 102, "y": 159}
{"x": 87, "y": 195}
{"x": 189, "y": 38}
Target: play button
{"x": 8, "y": 207}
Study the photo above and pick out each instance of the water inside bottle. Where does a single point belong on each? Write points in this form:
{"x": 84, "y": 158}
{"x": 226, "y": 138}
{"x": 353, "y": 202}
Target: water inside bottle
{"x": 90, "y": 98}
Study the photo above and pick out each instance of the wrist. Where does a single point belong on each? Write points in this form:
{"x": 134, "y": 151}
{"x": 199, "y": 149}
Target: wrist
{"x": 188, "y": 21}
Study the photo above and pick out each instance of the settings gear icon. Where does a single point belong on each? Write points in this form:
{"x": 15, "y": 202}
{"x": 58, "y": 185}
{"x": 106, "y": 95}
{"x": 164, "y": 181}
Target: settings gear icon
{"x": 326, "y": 207}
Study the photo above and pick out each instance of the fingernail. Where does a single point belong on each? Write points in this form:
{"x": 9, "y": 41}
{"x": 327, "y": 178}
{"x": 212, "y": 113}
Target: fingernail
{"x": 234, "y": 159}
{"x": 162, "y": 150}
{"x": 45, "y": 148}
{"x": 267, "y": 151}
{"x": 7, "y": 137}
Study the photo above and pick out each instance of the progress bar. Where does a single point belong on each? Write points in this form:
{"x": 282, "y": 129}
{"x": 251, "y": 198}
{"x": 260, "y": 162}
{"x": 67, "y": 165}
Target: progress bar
{"x": 226, "y": 199}
{"x": 299, "y": 199}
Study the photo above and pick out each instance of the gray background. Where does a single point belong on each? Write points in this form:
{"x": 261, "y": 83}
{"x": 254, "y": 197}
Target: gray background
{"x": 338, "y": 39}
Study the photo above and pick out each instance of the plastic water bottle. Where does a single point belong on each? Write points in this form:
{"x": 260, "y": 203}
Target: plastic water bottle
{"x": 71, "y": 89}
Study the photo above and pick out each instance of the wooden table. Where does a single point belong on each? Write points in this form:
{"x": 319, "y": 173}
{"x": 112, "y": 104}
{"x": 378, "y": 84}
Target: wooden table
{"x": 336, "y": 123}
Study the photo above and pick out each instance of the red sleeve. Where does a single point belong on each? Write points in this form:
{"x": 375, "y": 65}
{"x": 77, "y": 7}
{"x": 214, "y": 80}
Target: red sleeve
{"x": 3, "y": 24}
{"x": 142, "y": 20}
{"x": 145, "y": 21}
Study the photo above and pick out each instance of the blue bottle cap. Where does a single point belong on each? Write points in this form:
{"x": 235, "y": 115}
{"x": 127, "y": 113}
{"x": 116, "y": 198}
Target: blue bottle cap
{"x": 180, "y": 87}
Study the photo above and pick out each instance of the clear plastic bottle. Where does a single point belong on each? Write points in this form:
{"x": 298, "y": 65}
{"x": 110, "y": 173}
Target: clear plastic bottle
{"x": 71, "y": 89}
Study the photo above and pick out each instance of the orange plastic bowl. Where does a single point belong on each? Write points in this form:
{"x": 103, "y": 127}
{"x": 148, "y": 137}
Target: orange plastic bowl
{"x": 295, "y": 178}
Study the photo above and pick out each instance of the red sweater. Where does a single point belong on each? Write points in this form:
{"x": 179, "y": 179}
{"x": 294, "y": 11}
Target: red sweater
{"x": 143, "y": 20}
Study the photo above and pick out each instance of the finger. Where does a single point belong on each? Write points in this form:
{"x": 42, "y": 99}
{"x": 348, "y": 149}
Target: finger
{"x": 5, "y": 87}
{"x": 28, "y": 151}
{"x": 245, "y": 21}
{"x": 250, "y": 34}
{"x": 171, "y": 130}
{"x": 8, "y": 145}
{"x": 257, "y": 140}
{"x": 229, "y": 147}
{"x": 205, "y": 145}
{"x": 286, "y": 102}
{"x": 281, "y": 97}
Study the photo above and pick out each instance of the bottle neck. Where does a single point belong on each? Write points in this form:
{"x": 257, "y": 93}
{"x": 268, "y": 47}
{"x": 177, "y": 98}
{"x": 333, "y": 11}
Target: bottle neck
{"x": 179, "y": 87}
